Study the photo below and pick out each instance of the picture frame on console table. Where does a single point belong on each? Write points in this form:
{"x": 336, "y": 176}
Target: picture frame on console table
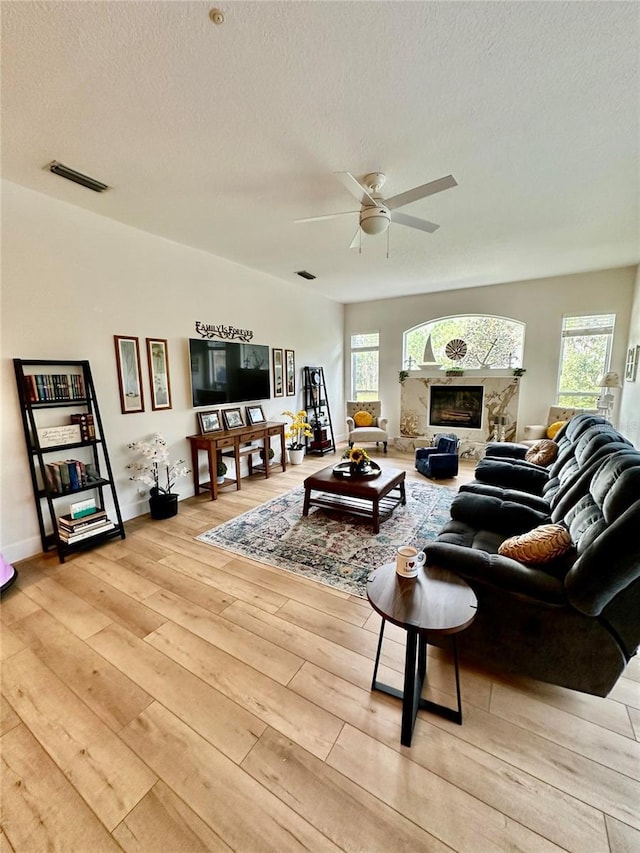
{"x": 209, "y": 421}
{"x": 278, "y": 372}
{"x": 255, "y": 415}
{"x": 290, "y": 371}
{"x": 158, "y": 358}
{"x": 232, "y": 418}
{"x": 129, "y": 374}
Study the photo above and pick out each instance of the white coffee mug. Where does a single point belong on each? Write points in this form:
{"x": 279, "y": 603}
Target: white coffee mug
{"x": 409, "y": 560}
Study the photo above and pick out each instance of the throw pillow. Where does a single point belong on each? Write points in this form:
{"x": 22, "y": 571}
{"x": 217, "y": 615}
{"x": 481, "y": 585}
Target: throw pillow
{"x": 554, "y": 429}
{"x": 543, "y": 452}
{"x": 363, "y": 419}
{"x": 540, "y": 545}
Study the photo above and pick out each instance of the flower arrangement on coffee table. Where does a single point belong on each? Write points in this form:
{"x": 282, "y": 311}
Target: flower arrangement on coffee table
{"x": 358, "y": 458}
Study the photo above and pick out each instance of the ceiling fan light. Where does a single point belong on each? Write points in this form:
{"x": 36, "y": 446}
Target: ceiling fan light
{"x": 375, "y": 220}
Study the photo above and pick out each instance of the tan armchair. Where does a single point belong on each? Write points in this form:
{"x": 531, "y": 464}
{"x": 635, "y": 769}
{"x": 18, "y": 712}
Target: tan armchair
{"x": 375, "y": 431}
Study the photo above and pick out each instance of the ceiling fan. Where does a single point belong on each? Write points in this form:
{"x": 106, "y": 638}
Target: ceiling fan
{"x": 376, "y": 212}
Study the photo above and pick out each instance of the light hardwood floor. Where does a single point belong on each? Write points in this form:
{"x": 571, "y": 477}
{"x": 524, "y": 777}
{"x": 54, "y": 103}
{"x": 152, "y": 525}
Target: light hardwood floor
{"x": 162, "y": 695}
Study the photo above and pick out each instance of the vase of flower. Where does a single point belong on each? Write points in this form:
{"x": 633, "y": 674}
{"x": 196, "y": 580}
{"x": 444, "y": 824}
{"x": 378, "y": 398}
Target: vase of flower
{"x": 296, "y": 455}
{"x": 162, "y": 504}
{"x": 297, "y": 432}
{"x": 221, "y": 470}
{"x": 358, "y": 461}
{"x": 156, "y": 470}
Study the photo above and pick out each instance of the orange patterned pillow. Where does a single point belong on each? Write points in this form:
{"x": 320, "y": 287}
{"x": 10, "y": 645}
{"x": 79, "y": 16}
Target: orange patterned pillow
{"x": 363, "y": 419}
{"x": 543, "y": 452}
{"x": 540, "y": 545}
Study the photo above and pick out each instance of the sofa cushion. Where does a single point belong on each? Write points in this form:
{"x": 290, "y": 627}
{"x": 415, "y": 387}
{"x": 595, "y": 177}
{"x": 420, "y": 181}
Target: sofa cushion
{"x": 554, "y": 429}
{"x": 363, "y": 419}
{"x": 543, "y": 452}
{"x": 543, "y": 544}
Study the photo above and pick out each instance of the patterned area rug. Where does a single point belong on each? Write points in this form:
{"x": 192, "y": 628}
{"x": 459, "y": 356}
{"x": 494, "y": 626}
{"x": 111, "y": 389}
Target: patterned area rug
{"x": 329, "y": 546}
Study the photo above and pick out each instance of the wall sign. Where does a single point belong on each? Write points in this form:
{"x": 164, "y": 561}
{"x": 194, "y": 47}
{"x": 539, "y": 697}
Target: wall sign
{"x": 221, "y": 331}
{"x": 54, "y": 436}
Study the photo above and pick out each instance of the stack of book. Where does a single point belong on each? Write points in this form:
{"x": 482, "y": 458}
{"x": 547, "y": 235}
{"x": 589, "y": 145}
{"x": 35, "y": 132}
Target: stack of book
{"x": 73, "y": 530}
{"x": 87, "y": 428}
{"x": 42, "y": 387}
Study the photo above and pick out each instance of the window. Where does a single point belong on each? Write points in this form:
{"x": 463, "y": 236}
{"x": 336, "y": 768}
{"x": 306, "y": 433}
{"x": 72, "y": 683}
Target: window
{"x": 584, "y": 356}
{"x": 489, "y": 343}
{"x": 364, "y": 366}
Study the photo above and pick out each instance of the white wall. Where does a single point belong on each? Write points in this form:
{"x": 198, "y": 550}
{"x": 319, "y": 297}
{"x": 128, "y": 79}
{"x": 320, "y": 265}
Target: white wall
{"x": 539, "y": 303}
{"x": 630, "y": 408}
{"x": 71, "y": 280}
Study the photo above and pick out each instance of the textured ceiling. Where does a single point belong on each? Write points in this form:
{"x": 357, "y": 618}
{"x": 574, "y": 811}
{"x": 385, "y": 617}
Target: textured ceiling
{"x": 218, "y": 137}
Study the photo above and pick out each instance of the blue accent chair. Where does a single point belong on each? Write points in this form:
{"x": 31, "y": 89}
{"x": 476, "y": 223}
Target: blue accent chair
{"x": 440, "y": 461}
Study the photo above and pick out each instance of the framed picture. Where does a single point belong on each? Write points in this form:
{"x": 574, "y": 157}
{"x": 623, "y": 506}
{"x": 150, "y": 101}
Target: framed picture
{"x": 209, "y": 421}
{"x": 158, "y": 358}
{"x": 631, "y": 366}
{"x": 255, "y": 415}
{"x": 278, "y": 373}
{"x": 128, "y": 361}
{"x": 232, "y": 418}
{"x": 290, "y": 371}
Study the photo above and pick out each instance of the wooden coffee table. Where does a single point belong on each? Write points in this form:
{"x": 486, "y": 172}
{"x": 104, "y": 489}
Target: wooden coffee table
{"x": 370, "y": 498}
{"x": 434, "y": 603}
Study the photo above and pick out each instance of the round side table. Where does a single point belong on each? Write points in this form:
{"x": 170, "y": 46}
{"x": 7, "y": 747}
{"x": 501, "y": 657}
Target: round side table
{"x": 434, "y": 603}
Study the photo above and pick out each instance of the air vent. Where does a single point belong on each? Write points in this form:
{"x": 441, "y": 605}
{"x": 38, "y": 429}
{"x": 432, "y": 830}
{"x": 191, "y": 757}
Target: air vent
{"x": 304, "y": 274}
{"x": 76, "y": 177}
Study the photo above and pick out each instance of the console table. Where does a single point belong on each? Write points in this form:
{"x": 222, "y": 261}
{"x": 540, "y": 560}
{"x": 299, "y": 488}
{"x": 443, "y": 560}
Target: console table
{"x": 235, "y": 443}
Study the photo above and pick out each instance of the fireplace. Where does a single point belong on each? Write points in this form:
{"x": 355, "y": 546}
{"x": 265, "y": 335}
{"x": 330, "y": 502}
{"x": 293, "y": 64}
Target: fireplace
{"x": 456, "y": 406}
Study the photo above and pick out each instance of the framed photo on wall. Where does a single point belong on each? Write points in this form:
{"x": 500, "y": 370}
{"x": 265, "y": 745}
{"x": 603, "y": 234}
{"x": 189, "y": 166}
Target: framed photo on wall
{"x": 158, "y": 358}
{"x": 129, "y": 384}
{"x": 232, "y": 418}
{"x": 290, "y": 371}
{"x": 209, "y": 421}
{"x": 255, "y": 415}
{"x": 631, "y": 366}
{"x": 278, "y": 373}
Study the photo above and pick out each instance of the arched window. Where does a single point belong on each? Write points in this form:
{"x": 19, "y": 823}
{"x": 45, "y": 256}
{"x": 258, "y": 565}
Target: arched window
{"x": 468, "y": 341}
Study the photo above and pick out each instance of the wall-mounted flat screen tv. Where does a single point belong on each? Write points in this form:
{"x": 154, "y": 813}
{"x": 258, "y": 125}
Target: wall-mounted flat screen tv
{"x": 228, "y": 372}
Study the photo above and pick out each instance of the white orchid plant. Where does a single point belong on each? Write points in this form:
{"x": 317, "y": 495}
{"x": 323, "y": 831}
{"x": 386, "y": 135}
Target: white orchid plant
{"x": 155, "y": 469}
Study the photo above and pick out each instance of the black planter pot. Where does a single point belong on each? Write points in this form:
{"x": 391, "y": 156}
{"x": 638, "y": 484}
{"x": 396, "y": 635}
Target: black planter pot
{"x": 163, "y": 505}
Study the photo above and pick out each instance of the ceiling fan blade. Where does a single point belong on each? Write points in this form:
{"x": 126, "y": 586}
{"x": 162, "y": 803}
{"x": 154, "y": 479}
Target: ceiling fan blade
{"x": 355, "y": 188}
{"x": 356, "y": 239}
{"x": 327, "y": 216}
{"x": 414, "y": 222}
{"x": 421, "y": 192}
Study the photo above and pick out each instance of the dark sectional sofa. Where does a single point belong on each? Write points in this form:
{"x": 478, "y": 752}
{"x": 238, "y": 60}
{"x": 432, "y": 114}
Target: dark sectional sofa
{"x": 575, "y": 619}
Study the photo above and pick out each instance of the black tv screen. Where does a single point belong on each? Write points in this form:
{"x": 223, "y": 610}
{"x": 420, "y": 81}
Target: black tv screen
{"x": 228, "y": 372}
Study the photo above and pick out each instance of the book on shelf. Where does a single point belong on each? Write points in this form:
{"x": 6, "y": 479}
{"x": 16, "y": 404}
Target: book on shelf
{"x": 46, "y": 387}
{"x": 75, "y": 530}
{"x": 95, "y": 530}
{"x": 69, "y": 475}
{"x": 87, "y": 427}
{"x": 71, "y": 523}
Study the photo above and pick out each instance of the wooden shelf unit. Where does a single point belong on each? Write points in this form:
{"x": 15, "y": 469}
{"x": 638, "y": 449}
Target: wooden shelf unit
{"x": 316, "y": 404}
{"x": 45, "y": 496}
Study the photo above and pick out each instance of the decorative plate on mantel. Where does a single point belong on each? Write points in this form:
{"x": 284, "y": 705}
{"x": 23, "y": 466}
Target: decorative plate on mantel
{"x": 456, "y": 349}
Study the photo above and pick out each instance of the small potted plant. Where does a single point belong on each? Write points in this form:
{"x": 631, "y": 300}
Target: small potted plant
{"x": 221, "y": 470}
{"x": 271, "y": 453}
{"x": 298, "y": 430}
{"x": 156, "y": 470}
